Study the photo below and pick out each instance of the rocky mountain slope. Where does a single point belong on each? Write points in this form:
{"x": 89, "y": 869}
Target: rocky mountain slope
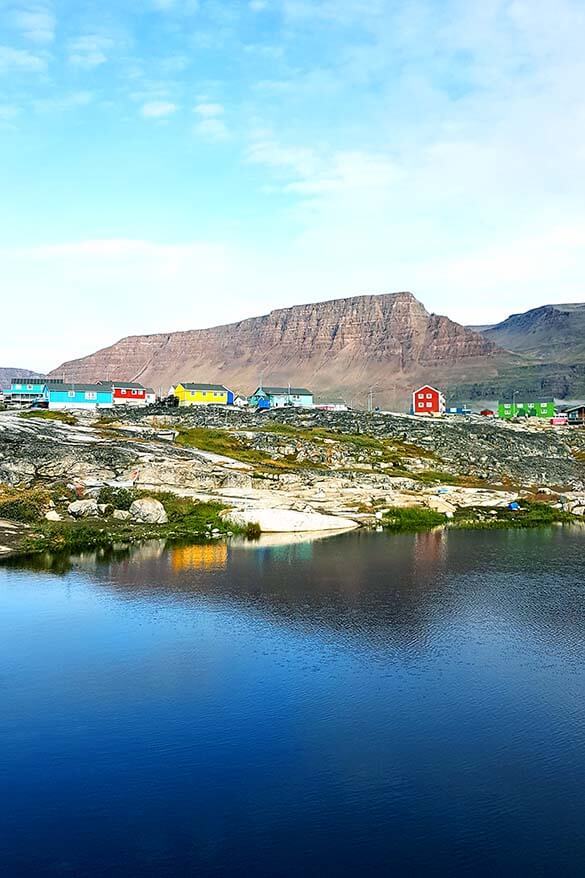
{"x": 552, "y": 333}
{"x": 342, "y": 346}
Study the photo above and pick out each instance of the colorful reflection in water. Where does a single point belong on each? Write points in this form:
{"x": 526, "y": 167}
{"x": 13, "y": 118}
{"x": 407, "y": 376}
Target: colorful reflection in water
{"x": 209, "y": 556}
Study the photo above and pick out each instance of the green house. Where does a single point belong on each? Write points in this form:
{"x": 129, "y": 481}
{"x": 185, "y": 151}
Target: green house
{"x": 522, "y": 407}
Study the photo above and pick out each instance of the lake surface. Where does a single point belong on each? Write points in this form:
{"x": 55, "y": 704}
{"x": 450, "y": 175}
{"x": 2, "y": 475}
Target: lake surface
{"x": 359, "y": 705}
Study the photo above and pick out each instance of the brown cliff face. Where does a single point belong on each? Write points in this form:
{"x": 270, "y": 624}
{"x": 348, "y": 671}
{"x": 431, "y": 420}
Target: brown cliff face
{"x": 342, "y": 346}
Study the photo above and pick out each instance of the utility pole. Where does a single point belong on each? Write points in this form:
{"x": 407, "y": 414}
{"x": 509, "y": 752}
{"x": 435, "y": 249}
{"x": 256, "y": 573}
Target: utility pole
{"x": 371, "y": 399}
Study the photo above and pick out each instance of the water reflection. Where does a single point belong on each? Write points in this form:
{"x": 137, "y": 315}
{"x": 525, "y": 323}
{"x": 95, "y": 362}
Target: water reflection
{"x": 209, "y": 556}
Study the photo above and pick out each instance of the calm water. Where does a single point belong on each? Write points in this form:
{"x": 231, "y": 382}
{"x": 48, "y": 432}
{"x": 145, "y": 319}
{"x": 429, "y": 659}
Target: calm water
{"x": 360, "y": 705}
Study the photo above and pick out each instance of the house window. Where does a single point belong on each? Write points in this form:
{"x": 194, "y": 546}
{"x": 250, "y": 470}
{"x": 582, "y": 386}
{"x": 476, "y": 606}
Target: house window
{"x": 134, "y": 392}
{"x": 429, "y": 405}
{"x": 429, "y": 395}
{"x": 421, "y": 396}
{"x": 71, "y": 394}
{"x": 90, "y": 394}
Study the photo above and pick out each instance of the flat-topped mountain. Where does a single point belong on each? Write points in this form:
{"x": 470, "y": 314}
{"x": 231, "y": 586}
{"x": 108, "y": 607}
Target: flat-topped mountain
{"x": 343, "y": 346}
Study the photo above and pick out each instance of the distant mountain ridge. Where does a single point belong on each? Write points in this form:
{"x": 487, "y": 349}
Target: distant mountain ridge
{"x": 7, "y": 374}
{"x": 552, "y": 333}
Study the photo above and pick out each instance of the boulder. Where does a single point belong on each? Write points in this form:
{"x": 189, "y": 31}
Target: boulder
{"x": 288, "y": 521}
{"x": 121, "y": 514}
{"x": 52, "y": 515}
{"x": 83, "y": 508}
{"x": 148, "y": 511}
{"x": 439, "y": 504}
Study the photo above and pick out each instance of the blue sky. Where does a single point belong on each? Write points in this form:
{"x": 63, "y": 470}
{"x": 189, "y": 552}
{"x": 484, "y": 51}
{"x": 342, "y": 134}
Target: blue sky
{"x": 171, "y": 164}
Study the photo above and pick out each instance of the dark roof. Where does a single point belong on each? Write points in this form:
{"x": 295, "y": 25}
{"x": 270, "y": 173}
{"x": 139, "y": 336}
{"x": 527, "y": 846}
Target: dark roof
{"x": 28, "y": 379}
{"x": 285, "y": 391}
{"x": 572, "y": 408}
{"x": 81, "y": 388}
{"x": 189, "y": 386}
{"x": 149, "y": 390}
{"x": 526, "y": 398}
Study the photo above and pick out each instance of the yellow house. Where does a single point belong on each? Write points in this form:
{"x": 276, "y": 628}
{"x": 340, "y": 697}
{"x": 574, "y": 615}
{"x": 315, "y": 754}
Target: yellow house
{"x": 203, "y": 394}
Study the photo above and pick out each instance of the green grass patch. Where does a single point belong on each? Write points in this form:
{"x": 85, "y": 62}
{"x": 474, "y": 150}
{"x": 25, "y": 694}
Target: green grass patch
{"x": 230, "y": 444}
{"x": 412, "y": 518}
{"x": 429, "y": 477}
{"x": 46, "y": 415}
{"x": 529, "y": 515}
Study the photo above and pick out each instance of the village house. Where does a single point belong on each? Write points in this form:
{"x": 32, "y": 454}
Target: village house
{"x": 575, "y": 414}
{"x": 331, "y": 404}
{"x": 126, "y": 392}
{"x": 518, "y": 407}
{"x": 150, "y": 396}
{"x": 25, "y": 391}
{"x": 60, "y": 396}
{"x": 282, "y": 397}
{"x": 202, "y": 394}
{"x": 428, "y": 400}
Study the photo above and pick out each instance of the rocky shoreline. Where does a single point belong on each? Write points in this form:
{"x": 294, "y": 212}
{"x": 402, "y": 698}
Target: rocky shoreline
{"x": 289, "y": 470}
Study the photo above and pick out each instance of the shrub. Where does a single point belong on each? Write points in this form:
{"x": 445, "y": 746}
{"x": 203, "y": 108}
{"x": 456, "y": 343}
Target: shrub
{"x": 253, "y": 530}
{"x": 119, "y": 498}
{"x": 23, "y": 509}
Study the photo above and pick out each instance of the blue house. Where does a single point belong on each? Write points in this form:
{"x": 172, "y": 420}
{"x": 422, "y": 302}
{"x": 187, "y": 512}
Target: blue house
{"x": 282, "y": 397}
{"x": 78, "y": 396}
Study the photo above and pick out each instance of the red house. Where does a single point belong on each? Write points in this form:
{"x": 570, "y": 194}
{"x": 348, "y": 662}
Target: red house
{"x": 428, "y": 400}
{"x": 128, "y": 393}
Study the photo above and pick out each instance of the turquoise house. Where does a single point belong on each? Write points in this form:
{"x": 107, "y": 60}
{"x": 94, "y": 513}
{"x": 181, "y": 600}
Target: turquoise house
{"x": 78, "y": 396}
{"x": 24, "y": 391}
{"x": 282, "y": 397}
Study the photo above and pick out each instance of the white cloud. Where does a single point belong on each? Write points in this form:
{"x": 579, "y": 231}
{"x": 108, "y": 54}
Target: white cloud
{"x": 211, "y": 126}
{"x": 258, "y": 5}
{"x": 36, "y": 21}
{"x": 21, "y": 61}
{"x": 90, "y": 50}
{"x": 209, "y": 110}
{"x": 158, "y": 109}
{"x": 68, "y": 101}
{"x": 295, "y": 161}
{"x": 214, "y": 130}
